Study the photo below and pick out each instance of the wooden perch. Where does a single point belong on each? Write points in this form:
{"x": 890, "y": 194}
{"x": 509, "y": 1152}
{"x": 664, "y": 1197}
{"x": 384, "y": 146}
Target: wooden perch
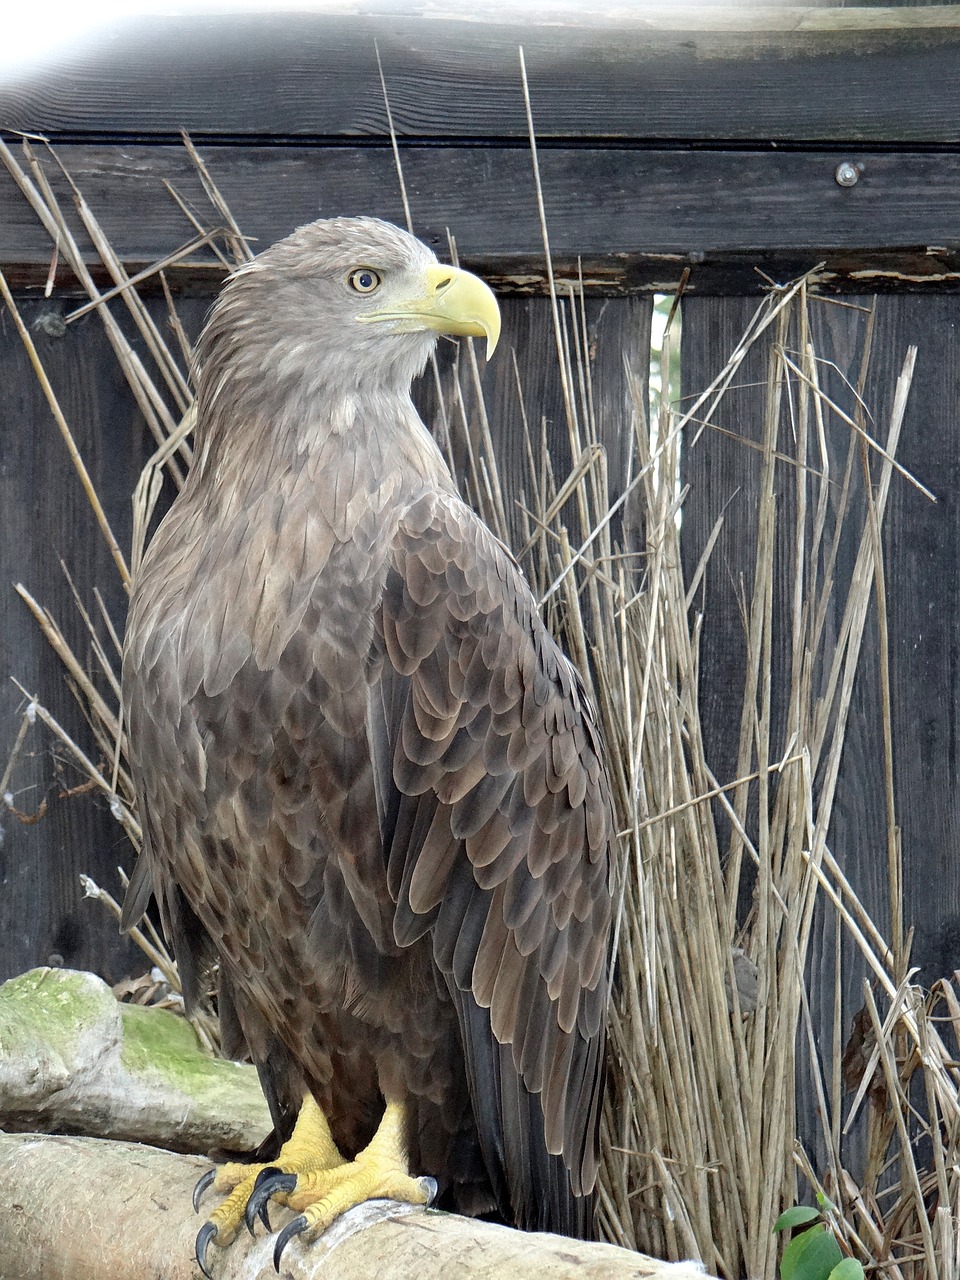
{"x": 90, "y": 1209}
{"x": 73, "y": 1060}
{"x": 87, "y": 1208}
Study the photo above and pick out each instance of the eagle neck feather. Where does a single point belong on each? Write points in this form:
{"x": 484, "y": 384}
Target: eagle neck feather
{"x": 349, "y": 442}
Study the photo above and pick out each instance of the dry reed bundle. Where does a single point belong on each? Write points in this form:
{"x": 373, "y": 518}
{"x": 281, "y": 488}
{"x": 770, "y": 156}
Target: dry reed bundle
{"x": 708, "y": 1012}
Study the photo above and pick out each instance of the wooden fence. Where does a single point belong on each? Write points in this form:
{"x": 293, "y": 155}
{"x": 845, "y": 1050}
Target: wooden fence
{"x": 732, "y": 148}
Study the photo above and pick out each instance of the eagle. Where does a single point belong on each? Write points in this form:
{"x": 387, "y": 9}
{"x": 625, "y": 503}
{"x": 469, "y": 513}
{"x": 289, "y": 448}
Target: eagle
{"x": 372, "y": 787}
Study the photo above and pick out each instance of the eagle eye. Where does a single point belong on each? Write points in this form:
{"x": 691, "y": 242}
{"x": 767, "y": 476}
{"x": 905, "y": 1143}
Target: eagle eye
{"x": 364, "y": 280}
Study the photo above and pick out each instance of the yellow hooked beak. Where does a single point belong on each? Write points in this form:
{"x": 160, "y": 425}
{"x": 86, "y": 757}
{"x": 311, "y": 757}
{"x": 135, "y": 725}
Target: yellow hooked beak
{"x": 452, "y": 301}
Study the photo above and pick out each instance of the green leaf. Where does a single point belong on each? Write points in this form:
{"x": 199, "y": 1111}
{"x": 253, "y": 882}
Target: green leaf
{"x": 812, "y": 1255}
{"x": 799, "y": 1216}
{"x": 790, "y": 1261}
{"x": 825, "y": 1203}
{"x": 848, "y": 1269}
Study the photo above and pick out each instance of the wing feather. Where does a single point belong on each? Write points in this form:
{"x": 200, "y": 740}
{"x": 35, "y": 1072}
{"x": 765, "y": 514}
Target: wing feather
{"x": 483, "y": 724}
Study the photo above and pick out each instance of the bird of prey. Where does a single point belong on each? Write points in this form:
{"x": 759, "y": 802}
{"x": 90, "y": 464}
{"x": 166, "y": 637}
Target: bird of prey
{"x": 371, "y": 785}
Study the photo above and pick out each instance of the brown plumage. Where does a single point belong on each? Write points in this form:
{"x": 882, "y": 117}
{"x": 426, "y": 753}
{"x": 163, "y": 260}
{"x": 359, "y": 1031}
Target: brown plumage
{"x": 371, "y": 785}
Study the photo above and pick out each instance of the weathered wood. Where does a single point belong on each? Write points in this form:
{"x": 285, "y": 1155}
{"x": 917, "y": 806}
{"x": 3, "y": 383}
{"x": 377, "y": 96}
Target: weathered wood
{"x": 922, "y": 554}
{"x": 44, "y": 517}
{"x": 75, "y": 1060}
{"x": 523, "y": 385}
{"x": 922, "y": 547}
{"x": 140, "y": 1223}
{"x": 603, "y": 72}
{"x": 723, "y": 474}
{"x": 629, "y": 219}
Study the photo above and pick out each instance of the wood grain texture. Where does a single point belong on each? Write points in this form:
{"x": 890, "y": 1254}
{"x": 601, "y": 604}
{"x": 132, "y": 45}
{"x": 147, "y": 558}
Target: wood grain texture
{"x": 43, "y": 517}
{"x": 631, "y": 219}
{"x": 619, "y": 73}
{"x": 921, "y": 549}
{"x": 523, "y": 384}
{"x": 142, "y": 1225}
{"x": 724, "y": 475}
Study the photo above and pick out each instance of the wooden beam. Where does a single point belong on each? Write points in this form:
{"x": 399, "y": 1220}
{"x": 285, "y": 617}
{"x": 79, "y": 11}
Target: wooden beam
{"x": 631, "y": 219}
{"x": 712, "y": 74}
{"x": 98, "y": 1210}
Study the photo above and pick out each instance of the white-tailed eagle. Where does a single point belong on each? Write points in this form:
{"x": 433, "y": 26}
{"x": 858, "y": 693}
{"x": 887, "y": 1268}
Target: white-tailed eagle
{"x": 371, "y": 785}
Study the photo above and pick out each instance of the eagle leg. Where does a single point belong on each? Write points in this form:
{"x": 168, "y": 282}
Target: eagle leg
{"x": 379, "y": 1172}
{"x": 310, "y": 1148}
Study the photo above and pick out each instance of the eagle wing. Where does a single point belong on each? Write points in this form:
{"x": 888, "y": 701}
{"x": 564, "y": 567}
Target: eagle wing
{"x": 496, "y": 823}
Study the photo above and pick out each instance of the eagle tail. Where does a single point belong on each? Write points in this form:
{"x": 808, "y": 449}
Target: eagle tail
{"x": 532, "y": 1186}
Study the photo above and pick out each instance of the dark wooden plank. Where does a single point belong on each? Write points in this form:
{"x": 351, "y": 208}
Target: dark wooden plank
{"x": 858, "y": 825}
{"x": 620, "y": 341}
{"x": 601, "y": 72}
{"x": 923, "y": 551}
{"x": 724, "y": 476}
{"x": 633, "y": 218}
{"x": 922, "y": 545}
{"x": 44, "y": 516}
{"x": 922, "y": 548}
{"x": 523, "y": 383}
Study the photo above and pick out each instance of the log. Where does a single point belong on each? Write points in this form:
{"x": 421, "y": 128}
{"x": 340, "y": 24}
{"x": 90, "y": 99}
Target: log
{"x": 77, "y": 1208}
{"x": 73, "y": 1060}
{"x": 89, "y": 1071}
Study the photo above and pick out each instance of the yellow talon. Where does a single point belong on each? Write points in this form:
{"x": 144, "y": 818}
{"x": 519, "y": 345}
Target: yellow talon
{"x": 310, "y": 1148}
{"x": 312, "y": 1178}
{"x": 379, "y": 1172}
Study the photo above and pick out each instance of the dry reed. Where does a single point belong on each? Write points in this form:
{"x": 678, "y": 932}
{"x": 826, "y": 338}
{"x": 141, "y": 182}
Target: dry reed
{"x": 709, "y": 1011}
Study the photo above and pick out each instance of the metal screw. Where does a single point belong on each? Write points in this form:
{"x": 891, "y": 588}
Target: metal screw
{"x": 847, "y": 174}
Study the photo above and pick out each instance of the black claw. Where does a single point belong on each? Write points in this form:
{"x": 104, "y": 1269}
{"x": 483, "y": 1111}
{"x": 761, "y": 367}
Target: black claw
{"x": 268, "y": 1183}
{"x": 204, "y": 1236}
{"x": 292, "y": 1229}
{"x": 201, "y": 1187}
